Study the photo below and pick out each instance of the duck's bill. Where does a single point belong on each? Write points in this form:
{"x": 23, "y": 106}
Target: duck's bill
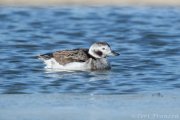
{"x": 113, "y": 53}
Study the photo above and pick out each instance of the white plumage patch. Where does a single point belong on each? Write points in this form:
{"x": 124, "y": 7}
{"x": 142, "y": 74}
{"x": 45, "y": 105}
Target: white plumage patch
{"x": 52, "y": 64}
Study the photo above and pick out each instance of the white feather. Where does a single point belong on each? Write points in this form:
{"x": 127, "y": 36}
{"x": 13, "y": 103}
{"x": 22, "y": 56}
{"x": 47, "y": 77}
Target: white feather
{"x": 52, "y": 64}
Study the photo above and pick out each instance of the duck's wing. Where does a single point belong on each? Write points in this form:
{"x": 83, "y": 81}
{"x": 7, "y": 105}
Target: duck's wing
{"x": 67, "y": 56}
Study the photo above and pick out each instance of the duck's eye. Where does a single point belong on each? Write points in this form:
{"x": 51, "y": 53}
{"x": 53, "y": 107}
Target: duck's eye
{"x": 103, "y": 48}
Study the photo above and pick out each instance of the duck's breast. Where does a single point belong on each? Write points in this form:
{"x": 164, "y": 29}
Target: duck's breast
{"x": 99, "y": 64}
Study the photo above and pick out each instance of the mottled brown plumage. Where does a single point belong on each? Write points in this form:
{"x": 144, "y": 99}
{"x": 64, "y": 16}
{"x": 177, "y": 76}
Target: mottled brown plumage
{"x": 67, "y": 56}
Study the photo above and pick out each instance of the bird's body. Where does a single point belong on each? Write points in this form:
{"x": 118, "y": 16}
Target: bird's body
{"x": 78, "y": 59}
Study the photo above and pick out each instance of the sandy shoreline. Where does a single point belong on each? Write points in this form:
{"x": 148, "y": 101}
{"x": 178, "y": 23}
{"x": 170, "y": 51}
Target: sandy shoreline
{"x": 91, "y": 2}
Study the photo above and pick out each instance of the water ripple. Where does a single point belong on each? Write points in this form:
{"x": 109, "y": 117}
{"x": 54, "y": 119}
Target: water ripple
{"x": 146, "y": 37}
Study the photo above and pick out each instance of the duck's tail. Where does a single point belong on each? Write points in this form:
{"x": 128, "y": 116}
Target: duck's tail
{"x": 46, "y": 56}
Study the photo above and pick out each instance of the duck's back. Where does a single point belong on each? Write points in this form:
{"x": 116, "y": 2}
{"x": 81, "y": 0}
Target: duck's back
{"x": 67, "y": 56}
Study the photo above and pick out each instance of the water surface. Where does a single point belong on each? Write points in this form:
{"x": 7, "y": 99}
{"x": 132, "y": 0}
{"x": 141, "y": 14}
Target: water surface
{"x": 148, "y": 39}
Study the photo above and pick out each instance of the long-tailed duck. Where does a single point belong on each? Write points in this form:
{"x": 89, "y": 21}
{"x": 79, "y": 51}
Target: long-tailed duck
{"x": 93, "y": 58}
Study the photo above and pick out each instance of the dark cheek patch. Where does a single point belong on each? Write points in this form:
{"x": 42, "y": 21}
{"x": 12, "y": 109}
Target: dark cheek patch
{"x": 99, "y": 53}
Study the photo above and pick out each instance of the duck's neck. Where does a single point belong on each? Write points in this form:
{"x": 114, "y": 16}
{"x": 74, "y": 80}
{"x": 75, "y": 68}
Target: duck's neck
{"x": 99, "y": 64}
{"x": 94, "y": 58}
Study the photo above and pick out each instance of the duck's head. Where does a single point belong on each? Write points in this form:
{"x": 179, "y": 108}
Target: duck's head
{"x": 101, "y": 50}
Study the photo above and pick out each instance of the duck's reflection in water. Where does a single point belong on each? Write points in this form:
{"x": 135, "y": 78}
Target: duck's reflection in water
{"x": 84, "y": 75}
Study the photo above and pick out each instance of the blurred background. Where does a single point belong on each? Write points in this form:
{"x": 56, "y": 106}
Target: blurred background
{"x": 90, "y": 2}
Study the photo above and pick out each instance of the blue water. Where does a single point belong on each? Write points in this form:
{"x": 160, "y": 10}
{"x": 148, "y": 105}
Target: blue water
{"x": 148, "y": 39}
